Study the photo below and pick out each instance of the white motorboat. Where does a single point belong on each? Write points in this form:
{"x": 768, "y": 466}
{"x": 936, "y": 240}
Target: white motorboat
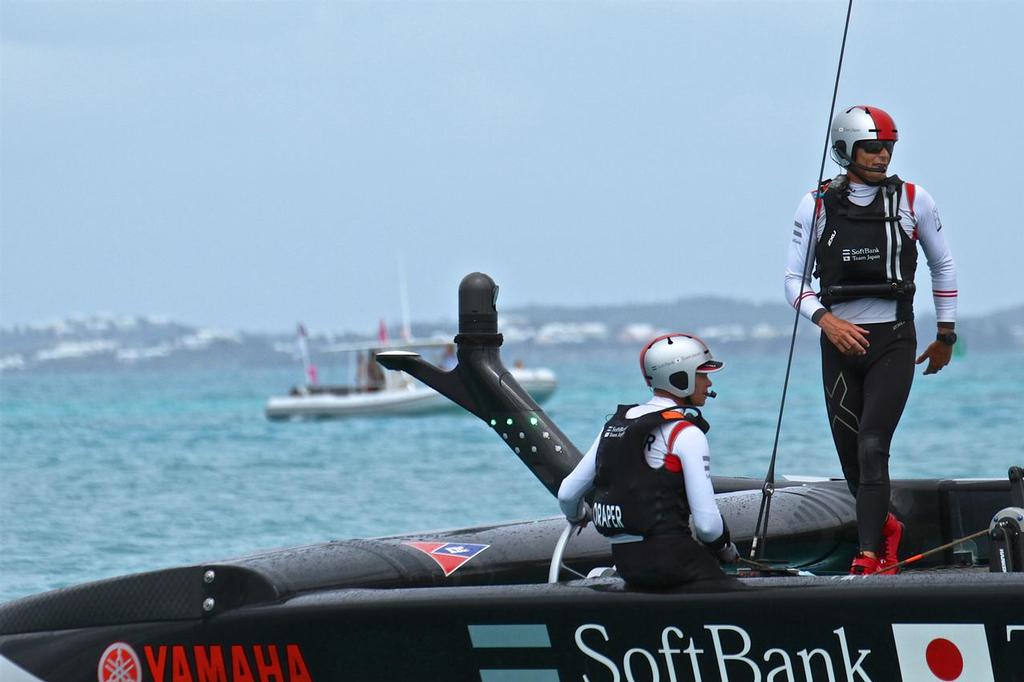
{"x": 379, "y": 393}
{"x": 401, "y": 395}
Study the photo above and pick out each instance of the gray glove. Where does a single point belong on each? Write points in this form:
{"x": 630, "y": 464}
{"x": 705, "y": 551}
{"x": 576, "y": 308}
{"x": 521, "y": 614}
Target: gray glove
{"x": 586, "y": 514}
{"x": 728, "y": 554}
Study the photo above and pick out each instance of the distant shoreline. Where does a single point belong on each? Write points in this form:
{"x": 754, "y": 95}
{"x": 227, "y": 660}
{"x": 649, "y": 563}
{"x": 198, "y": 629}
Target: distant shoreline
{"x": 107, "y": 343}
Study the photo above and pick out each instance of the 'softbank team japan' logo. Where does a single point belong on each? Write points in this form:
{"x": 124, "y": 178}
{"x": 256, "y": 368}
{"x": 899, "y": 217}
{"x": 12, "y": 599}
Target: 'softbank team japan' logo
{"x": 864, "y": 254}
{"x": 204, "y": 662}
{"x": 927, "y": 652}
{"x": 450, "y": 556}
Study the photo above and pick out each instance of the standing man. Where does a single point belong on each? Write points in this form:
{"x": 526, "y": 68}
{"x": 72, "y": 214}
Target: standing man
{"x": 866, "y": 226}
{"x": 650, "y": 468}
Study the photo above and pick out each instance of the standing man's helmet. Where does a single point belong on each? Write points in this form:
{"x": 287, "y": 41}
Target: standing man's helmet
{"x": 858, "y": 124}
{"x": 671, "y": 363}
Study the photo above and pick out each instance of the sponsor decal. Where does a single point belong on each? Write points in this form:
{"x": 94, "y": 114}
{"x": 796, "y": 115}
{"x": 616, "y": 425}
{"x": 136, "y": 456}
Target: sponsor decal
{"x": 951, "y": 652}
{"x": 450, "y": 556}
{"x": 205, "y": 663}
{"x": 865, "y": 254}
{"x": 927, "y": 652}
{"x": 119, "y": 663}
{"x": 614, "y": 432}
{"x": 608, "y": 515}
{"x": 727, "y": 648}
{"x": 512, "y": 636}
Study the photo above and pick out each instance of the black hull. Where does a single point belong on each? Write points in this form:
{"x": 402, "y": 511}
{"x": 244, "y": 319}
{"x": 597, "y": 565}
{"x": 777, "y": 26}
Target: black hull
{"x": 387, "y": 609}
{"x": 862, "y": 629}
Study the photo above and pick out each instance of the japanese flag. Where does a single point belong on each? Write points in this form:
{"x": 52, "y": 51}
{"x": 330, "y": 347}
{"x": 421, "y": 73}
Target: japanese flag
{"x": 955, "y": 652}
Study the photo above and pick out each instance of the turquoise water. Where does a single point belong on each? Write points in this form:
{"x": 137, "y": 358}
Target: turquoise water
{"x": 105, "y": 474}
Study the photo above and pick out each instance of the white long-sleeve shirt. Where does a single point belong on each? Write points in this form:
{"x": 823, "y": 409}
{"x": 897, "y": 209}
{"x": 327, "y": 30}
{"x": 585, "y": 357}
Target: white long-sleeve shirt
{"x": 688, "y": 448}
{"x": 920, "y": 222}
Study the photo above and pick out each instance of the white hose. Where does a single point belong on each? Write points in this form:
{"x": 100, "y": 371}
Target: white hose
{"x": 556, "y": 558}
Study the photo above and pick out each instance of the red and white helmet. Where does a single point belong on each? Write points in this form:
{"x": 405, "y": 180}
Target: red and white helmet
{"x": 856, "y": 124}
{"x": 671, "y": 362}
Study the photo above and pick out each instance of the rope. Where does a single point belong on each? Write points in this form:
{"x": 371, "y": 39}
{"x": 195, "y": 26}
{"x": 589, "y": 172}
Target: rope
{"x": 759, "y": 543}
{"x": 922, "y": 555}
{"x": 889, "y": 570}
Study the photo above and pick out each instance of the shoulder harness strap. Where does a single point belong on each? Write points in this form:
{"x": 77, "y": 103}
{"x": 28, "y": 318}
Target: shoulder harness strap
{"x": 819, "y": 195}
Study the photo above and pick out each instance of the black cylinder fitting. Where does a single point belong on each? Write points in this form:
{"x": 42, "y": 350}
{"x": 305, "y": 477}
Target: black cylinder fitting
{"x": 478, "y": 313}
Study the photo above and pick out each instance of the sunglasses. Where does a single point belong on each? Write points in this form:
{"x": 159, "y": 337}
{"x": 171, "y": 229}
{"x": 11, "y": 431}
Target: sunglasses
{"x": 876, "y": 146}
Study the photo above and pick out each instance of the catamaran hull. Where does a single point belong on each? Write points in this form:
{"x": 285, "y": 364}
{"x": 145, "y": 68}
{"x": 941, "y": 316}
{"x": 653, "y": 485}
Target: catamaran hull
{"x": 931, "y": 628}
{"x": 473, "y": 604}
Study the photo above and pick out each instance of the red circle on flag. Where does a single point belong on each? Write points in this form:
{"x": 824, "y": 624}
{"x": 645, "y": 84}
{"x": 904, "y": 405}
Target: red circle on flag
{"x": 944, "y": 659}
{"x": 119, "y": 663}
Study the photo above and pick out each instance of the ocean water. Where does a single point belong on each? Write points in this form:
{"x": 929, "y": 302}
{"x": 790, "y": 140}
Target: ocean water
{"x": 106, "y": 474}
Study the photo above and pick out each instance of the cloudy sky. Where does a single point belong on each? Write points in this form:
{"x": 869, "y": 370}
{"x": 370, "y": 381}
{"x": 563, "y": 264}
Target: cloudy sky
{"x": 250, "y": 164}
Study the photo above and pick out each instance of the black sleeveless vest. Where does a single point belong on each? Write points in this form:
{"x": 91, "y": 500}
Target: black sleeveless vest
{"x": 631, "y": 497}
{"x": 864, "y": 252}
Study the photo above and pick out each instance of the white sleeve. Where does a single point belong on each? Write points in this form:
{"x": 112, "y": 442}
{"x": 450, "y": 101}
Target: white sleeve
{"x": 798, "y": 270}
{"x": 691, "y": 447}
{"x": 936, "y": 251}
{"x": 578, "y": 483}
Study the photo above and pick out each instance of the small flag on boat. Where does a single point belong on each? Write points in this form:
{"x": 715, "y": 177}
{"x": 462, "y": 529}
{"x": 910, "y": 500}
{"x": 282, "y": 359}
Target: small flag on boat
{"x": 302, "y": 348}
{"x": 449, "y": 555}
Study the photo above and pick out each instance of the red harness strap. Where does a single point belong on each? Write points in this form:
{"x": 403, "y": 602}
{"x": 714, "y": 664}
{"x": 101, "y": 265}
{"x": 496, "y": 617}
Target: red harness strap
{"x": 818, "y": 197}
{"x": 910, "y": 189}
{"x": 672, "y": 461}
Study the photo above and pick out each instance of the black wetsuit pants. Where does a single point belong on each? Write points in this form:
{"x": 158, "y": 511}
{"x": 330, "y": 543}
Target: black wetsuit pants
{"x": 665, "y": 561}
{"x": 865, "y": 396}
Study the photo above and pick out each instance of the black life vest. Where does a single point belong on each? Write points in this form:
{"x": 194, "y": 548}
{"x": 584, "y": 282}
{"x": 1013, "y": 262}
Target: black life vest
{"x": 631, "y": 497}
{"x": 864, "y": 251}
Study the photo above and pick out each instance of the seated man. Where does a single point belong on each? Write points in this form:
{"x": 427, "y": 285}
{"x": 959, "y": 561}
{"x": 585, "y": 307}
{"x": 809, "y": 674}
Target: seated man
{"x": 650, "y": 469}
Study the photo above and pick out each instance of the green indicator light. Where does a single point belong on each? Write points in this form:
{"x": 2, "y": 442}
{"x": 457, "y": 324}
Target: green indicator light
{"x": 509, "y": 421}
{"x": 533, "y": 421}
{"x": 494, "y": 422}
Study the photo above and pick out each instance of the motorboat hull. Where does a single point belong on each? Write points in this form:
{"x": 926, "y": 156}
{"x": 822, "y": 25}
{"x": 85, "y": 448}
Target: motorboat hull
{"x": 413, "y": 399}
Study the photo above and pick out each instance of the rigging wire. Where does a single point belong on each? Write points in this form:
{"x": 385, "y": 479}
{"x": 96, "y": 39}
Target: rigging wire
{"x": 768, "y": 489}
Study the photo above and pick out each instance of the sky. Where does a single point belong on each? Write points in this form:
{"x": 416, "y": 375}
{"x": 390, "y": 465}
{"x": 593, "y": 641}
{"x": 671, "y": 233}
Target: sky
{"x": 247, "y": 165}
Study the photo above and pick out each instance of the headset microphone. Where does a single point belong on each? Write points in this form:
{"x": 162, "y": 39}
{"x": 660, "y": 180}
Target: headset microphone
{"x": 712, "y": 394}
{"x": 869, "y": 169}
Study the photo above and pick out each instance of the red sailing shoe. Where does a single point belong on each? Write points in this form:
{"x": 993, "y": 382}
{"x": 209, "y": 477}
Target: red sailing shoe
{"x": 886, "y": 568}
{"x": 864, "y": 565}
{"x": 892, "y": 533}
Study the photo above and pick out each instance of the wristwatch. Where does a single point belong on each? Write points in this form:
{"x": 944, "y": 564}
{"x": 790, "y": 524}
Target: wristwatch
{"x": 948, "y": 338}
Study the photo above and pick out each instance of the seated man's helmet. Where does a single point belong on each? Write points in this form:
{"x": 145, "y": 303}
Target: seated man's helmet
{"x": 671, "y": 363}
{"x": 856, "y": 124}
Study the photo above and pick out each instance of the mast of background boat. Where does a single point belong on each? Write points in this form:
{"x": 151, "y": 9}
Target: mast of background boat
{"x": 481, "y": 384}
{"x": 308, "y": 368}
{"x": 403, "y": 291}
{"x": 758, "y": 545}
